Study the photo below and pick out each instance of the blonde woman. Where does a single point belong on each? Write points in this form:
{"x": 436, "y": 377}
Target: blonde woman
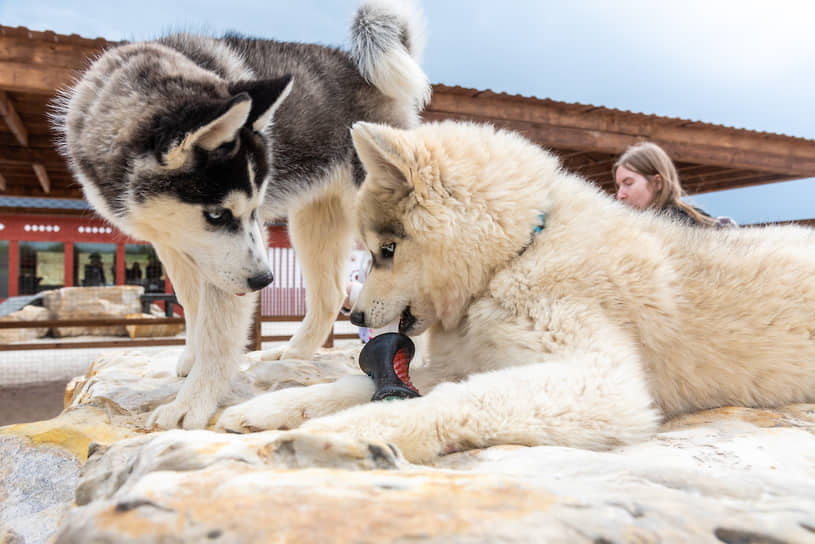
{"x": 646, "y": 178}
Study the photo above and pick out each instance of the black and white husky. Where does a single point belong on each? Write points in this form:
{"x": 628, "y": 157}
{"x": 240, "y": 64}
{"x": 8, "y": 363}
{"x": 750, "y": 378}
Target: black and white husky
{"x": 192, "y": 143}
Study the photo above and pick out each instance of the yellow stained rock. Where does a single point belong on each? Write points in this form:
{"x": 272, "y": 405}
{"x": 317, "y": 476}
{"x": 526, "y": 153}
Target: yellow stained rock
{"x": 73, "y": 430}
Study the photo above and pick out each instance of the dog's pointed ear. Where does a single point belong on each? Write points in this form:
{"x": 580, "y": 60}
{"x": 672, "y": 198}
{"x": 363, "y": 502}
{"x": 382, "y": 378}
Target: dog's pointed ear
{"x": 382, "y": 151}
{"x": 267, "y": 95}
{"x": 206, "y": 126}
{"x": 225, "y": 126}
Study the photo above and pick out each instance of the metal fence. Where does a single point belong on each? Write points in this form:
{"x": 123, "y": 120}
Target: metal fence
{"x": 286, "y": 296}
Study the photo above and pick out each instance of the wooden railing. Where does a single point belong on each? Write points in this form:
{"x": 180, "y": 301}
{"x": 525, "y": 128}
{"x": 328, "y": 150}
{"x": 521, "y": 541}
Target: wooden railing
{"x": 255, "y": 341}
{"x": 106, "y": 343}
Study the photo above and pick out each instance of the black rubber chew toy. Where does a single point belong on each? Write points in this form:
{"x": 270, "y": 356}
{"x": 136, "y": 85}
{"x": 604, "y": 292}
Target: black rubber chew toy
{"x": 386, "y": 359}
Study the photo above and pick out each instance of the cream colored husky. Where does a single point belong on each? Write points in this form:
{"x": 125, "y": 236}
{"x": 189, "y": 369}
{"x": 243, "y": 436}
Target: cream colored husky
{"x": 555, "y": 315}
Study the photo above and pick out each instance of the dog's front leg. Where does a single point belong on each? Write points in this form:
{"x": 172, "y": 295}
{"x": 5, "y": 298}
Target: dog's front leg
{"x": 187, "y": 283}
{"x": 220, "y": 329}
{"x": 290, "y": 408}
{"x": 584, "y": 400}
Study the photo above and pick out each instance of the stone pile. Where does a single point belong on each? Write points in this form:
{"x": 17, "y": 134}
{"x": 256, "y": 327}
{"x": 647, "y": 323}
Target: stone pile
{"x": 27, "y": 313}
{"x": 93, "y": 303}
{"x": 94, "y": 474}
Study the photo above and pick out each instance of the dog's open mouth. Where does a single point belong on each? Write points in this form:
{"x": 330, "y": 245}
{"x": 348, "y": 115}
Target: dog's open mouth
{"x": 406, "y": 320}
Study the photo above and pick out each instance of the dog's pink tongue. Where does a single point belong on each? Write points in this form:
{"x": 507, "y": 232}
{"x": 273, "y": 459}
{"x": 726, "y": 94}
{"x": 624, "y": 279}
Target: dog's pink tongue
{"x": 240, "y": 294}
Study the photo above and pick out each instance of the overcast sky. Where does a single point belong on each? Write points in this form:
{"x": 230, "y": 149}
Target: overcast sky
{"x": 741, "y": 63}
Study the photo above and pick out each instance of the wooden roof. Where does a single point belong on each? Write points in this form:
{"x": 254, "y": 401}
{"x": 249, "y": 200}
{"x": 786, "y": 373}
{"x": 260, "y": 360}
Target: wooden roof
{"x": 34, "y": 65}
{"x": 590, "y": 138}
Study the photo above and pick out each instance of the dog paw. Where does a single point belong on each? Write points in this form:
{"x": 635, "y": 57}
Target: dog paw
{"x": 412, "y": 432}
{"x": 298, "y": 449}
{"x": 278, "y": 410}
{"x": 180, "y": 414}
{"x": 283, "y": 352}
{"x": 185, "y": 363}
{"x": 239, "y": 420}
{"x": 291, "y": 407}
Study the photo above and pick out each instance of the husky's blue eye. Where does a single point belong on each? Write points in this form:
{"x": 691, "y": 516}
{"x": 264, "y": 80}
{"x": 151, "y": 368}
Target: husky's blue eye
{"x": 387, "y": 250}
{"x": 218, "y": 217}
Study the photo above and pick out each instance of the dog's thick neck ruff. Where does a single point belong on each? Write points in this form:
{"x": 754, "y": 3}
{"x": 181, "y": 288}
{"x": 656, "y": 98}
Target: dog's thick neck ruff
{"x": 539, "y": 226}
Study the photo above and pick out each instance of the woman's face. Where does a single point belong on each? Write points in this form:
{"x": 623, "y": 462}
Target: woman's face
{"x": 634, "y": 189}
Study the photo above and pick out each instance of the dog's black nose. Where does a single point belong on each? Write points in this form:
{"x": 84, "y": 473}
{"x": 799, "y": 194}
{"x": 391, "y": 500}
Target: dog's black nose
{"x": 358, "y": 318}
{"x": 260, "y": 281}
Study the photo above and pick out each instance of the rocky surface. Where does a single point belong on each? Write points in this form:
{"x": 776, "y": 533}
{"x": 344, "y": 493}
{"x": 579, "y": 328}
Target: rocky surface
{"x": 732, "y": 475}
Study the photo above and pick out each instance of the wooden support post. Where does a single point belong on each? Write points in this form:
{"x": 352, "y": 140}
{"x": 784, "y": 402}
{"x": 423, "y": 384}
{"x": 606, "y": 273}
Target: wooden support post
{"x": 13, "y": 268}
{"x": 42, "y": 177}
{"x": 12, "y": 119}
{"x": 120, "y": 264}
{"x": 68, "y": 277}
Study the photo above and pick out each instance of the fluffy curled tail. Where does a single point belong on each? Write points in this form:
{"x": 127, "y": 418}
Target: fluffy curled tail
{"x": 387, "y": 39}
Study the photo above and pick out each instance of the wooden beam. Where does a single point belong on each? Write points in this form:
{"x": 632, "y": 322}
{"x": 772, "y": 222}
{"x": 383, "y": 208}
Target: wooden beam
{"x": 555, "y": 124}
{"x": 692, "y": 187}
{"x": 15, "y": 154}
{"x": 564, "y": 155}
{"x": 687, "y": 169}
{"x": 42, "y": 177}
{"x": 12, "y": 119}
{"x": 597, "y": 168}
{"x": 3, "y": 183}
{"x": 25, "y": 210}
{"x": 36, "y": 140}
{"x": 704, "y": 150}
{"x": 41, "y": 62}
{"x": 25, "y": 78}
{"x": 727, "y": 175}
{"x": 57, "y": 191}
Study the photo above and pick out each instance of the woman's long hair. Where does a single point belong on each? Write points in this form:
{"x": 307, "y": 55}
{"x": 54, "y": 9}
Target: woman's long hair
{"x": 648, "y": 160}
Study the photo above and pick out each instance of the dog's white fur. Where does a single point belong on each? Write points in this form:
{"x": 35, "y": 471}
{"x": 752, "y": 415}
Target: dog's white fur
{"x": 587, "y": 334}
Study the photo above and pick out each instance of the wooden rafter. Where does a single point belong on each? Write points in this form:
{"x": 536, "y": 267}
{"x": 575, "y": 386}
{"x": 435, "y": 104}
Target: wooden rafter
{"x": 597, "y": 167}
{"x": 41, "y": 62}
{"x": 559, "y": 125}
{"x": 15, "y": 124}
{"x": 27, "y": 155}
{"x": 3, "y": 184}
{"x": 42, "y": 177}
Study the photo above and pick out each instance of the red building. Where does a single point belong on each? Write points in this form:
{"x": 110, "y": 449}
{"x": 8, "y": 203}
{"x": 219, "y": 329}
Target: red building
{"x": 40, "y": 251}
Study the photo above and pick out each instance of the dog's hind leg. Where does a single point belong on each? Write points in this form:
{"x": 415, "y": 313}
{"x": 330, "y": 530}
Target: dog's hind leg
{"x": 320, "y": 232}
